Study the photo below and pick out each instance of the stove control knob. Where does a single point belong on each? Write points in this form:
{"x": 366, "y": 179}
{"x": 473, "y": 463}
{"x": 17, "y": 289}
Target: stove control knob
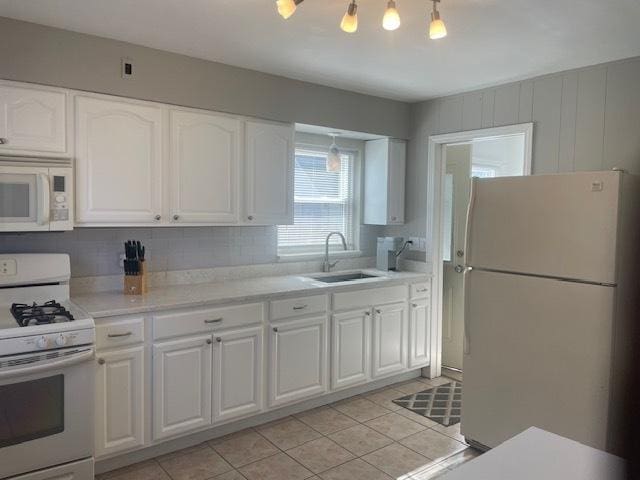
{"x": 42, "y": 342}
{"x": 61, "y": 341}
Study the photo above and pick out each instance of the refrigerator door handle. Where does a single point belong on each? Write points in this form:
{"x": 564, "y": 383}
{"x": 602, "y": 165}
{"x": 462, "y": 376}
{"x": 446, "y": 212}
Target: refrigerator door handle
{"x": 467, "y": 226}
{"x": 465, "y": 312}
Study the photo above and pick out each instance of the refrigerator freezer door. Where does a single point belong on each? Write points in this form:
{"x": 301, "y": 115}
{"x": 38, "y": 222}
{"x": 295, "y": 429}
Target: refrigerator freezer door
{"x": 539, "y": 354}
{"x": 553, "y": 225}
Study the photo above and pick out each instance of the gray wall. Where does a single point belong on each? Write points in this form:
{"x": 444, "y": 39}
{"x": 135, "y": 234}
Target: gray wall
{"x": 39, "y": 54}
{"x": 585, "y": 119}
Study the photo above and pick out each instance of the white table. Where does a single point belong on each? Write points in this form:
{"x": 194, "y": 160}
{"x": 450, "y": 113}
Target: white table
{"x": 539, "y": 455}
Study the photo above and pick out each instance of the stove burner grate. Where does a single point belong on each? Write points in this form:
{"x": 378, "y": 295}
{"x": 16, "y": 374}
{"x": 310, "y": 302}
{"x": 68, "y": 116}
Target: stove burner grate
{"x": 49, "y": 312}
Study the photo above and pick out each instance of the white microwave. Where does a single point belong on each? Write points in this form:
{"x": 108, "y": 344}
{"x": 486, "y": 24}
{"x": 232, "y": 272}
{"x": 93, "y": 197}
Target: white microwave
{"x": 36, "y": 197}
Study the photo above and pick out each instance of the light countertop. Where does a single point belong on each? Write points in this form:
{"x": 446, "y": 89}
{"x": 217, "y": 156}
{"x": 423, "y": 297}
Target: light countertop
{"x": 109, "y": 304}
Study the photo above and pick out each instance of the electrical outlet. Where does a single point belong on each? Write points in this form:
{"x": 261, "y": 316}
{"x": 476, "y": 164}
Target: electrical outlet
{"x": 127, "y": 67}
{"x": 8, "y": 267}
{"x": 416, "y": 243}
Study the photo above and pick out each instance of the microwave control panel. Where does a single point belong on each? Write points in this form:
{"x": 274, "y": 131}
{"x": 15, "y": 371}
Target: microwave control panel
{"x": 61, "y": 200}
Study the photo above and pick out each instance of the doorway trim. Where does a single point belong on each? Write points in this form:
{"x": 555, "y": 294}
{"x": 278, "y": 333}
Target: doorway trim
{"x": 435, "y": 187}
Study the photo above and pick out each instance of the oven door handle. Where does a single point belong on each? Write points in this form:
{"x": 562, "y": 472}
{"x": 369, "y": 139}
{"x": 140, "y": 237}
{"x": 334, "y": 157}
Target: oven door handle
{"x": 46, "y": 365}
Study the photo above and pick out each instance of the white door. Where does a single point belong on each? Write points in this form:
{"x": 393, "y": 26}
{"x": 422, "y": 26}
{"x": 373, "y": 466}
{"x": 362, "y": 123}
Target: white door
{"x": 237, "y": 371}
{"x": 119, "y": 400}
{"x": 119, "y": 162}
{"x": 181, "y": 385}
{"x": 539, "y": 354}
{"x": 298, "y": 360}
{"x": 33, "y": 120}
{"x": 204, "y": 162}
{"x": 457, "y": 187}
{"x": 269, "y": 173}
{"x": 389, "y": 339}
{"x": 350, "y": 348}
{"x": 419, "y": 333}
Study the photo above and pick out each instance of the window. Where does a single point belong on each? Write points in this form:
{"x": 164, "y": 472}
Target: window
{"x": 323, "y": 203}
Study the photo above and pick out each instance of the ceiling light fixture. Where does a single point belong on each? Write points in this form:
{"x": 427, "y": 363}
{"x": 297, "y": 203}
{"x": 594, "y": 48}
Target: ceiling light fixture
{"x": 436, "y": 27}
{"x": 349, "y": 22}
{"x": 391, "y": 19}
{"x": 286, "y": 8}
{"x": 334, "y": 162}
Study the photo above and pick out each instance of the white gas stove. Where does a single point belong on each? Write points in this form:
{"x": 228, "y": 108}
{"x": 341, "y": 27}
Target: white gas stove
{"x": 46, "y": 371}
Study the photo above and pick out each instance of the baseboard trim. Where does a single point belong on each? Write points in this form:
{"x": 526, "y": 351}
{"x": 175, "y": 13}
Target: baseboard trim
{"x": 168, "y": 446}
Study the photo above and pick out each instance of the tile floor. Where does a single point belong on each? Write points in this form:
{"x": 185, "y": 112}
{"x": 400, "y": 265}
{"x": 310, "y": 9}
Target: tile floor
{"x": 366, "y": 437}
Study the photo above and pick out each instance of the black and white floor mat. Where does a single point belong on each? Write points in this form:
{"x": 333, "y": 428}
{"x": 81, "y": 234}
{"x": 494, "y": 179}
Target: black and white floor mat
{"x": 441, "y": 404}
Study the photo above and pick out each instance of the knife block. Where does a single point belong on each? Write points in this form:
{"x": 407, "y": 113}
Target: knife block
{"x": 136, "y": 284}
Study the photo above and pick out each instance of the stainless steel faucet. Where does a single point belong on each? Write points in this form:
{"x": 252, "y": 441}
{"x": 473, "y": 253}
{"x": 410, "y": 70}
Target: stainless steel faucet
{"x": 326, "y": 265}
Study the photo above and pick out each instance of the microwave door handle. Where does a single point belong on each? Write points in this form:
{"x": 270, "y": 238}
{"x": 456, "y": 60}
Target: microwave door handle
{"x": 47, "y": 365}
{"x": 44, "y": 189}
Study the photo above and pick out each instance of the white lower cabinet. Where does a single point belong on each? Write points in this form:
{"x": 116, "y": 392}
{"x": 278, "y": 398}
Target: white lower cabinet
{"x": 389, "y": 339}
{"x": 182, "y": 376}
{"x": 297, "y": 360}
{"x": 350, "y": 348}
{"x": 119, "y": 405}
{"x": 237, "y": 365}
{"x": 419, "y": 337}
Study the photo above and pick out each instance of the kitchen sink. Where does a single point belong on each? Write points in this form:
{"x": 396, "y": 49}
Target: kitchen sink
{"x": 344, "y": 277}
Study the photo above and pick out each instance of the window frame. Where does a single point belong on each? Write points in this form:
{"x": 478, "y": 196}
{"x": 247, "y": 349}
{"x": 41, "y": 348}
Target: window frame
{"x": 290, "y": 253}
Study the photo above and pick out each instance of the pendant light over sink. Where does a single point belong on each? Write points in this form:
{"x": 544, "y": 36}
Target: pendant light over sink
{"x": 390, "y": 19}
{"x": 334, "y": 162}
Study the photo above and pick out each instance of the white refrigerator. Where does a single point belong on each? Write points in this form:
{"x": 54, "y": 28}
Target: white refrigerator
{"x": 550, "y": 298}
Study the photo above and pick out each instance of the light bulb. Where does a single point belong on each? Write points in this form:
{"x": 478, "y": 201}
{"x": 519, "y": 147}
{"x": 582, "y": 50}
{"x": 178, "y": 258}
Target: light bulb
{"x": 286, "y": 8}
{"x": 391, "y": 19}
{"x": 436, "y": 27}
{"x": 334, "y": 163}
{"x": 349, "y": 22}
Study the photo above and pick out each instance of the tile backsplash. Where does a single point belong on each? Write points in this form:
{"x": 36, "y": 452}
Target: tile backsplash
{"x": 95, "y": 251}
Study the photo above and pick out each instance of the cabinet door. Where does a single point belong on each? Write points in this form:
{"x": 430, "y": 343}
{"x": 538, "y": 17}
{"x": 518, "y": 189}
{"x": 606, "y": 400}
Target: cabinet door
{"x": 181, "y": 385}
{"x": 389, "y": 339}
{"x": 204, "y": 167}
{"x": 396, "y": 172}
{"x": 237, "y": 361}
{"x": 33, "y": 120}
{"x": 119, "y": 400}
{"x": 119, "y": 162}
{"x": 350, "y": 351}
{"x": 269, "y": 173}
{"x": 419, "y": 334}
{"x": 297, "y": 351}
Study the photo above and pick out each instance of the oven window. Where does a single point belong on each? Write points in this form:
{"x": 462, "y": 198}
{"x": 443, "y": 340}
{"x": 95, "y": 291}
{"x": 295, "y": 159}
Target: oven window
{"x": 14, "y": 200}
{"x": 30, "y": 410}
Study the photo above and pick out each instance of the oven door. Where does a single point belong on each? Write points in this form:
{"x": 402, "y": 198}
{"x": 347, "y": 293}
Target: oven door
{"x": 24, "y": 199}
{"x": 46, "y": 409}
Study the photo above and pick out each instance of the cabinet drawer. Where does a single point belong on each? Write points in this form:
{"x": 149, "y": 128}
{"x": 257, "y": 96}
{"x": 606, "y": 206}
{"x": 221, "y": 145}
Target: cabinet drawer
{"x": 206, "y": 320}
{"x": 372, "y": 296}
{"x": 420, "y": 290}
{"x": 119, "y": 332}
{"x": 293, "y": 307}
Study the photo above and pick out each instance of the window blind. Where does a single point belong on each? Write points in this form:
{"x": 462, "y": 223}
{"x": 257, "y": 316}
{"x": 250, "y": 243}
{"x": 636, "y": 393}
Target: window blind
{"x": 323, "y": 203}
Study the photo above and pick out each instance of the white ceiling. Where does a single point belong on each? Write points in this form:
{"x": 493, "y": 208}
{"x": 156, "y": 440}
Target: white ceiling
{"x": 489, "y": 42}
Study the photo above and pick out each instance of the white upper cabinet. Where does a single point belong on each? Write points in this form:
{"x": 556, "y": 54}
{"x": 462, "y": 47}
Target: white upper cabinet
{"x": 33, "y": 121}
{"x": 268, "y": 173}
{"x": 204, "y": 167}
{"x": 384, "y": 179}
{"x": 119, "y": 161}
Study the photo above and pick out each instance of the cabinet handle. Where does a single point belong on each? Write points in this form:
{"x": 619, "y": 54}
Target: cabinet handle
{"x": 3, "y": 141}
{"x": 118, "y": 335}
{"x": 213, "y": 320}
{"x": 101, "y": 361}
{"x": 367, "y": 313}
{"x": 414, "y": 305}
{"x": 421, "y": 290}
{"x": 218, "y": 339}
{"x": 378, "y": 310}
{"x": 209, "y": 342}
{"x": 301, "y": 307}
{"x": 250, "y": 217}
{"x": 176, "y": 217}
{"x": 157, "y": 217}
{"x": 275, "y": 329}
